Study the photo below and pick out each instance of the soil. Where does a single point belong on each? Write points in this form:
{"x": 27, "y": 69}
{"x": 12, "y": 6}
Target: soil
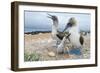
{"x": 42, "y": 44}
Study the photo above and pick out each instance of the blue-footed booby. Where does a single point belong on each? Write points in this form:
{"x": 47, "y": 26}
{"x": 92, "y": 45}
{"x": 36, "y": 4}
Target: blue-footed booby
{"x": 60, "y": 37}
{"x": 75, "y": 38}
{"x": 56, "y": 35}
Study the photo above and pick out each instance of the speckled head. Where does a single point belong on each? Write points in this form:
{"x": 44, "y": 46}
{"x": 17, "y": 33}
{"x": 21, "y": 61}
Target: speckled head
{"x": 53, "y": 17}
{"x": 73, "y": 21}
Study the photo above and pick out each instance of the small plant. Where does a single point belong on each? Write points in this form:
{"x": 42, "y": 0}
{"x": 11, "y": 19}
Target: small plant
{"x": 31, "y": 57}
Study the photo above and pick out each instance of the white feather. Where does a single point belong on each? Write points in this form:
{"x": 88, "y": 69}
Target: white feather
{"x": 61, "y": 46}
{"x": 74, "y": 37}
{"x": 54, "y": 31}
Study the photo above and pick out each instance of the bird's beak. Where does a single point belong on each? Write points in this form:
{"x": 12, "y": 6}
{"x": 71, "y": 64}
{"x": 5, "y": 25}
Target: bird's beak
{"x": 66, "y": 27}
{"x": 49, "y": 16}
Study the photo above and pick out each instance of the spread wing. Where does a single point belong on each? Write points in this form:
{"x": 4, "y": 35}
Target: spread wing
{"x": 60, "y": 35}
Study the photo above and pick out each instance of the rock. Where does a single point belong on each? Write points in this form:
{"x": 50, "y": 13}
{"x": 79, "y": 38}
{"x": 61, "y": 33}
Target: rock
{"x": 51, "y": 54}
{"x": 85, "y": 55}
{"x": 66, "y": 56}
{"x": 72, "y": 56}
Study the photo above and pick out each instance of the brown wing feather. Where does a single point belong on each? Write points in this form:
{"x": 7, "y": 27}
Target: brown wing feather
{"x": 60, "y": 35}
{"x": 81, "y": 40}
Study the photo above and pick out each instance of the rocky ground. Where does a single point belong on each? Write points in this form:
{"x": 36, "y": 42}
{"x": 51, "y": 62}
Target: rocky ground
{"x": 41, "y": 47}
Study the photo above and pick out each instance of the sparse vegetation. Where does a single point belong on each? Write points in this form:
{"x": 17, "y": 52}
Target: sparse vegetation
{"x": 38, "y": 47}
{"x": 31, "y": 57}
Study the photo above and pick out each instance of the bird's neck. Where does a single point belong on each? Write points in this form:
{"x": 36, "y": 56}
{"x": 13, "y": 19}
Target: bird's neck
{"x": 55, "y": 27}
{"x": 55, "y": 23}
{"x": 74, "y": 29}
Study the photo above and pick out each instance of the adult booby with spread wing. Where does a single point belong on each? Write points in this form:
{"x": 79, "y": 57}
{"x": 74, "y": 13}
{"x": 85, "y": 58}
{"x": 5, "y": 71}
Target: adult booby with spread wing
{"x": 60, "y": 37}
{"x": 56, "y": 35}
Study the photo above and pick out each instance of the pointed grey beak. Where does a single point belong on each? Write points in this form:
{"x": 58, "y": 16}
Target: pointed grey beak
{"x": 67, "y": 26}
{"x": 49, "y": 16}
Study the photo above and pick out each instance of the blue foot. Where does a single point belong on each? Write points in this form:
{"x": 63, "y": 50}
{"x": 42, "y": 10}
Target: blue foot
{"x": 75, "y": 51}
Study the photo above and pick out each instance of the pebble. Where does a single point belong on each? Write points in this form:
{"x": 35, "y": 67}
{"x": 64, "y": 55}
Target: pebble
{"x": 51, "y": 54}
{"x": 66, "y": 56}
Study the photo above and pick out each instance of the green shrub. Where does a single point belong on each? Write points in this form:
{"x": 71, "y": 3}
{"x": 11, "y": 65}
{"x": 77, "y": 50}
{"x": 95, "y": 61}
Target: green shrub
{"x": 31, "y": 57}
